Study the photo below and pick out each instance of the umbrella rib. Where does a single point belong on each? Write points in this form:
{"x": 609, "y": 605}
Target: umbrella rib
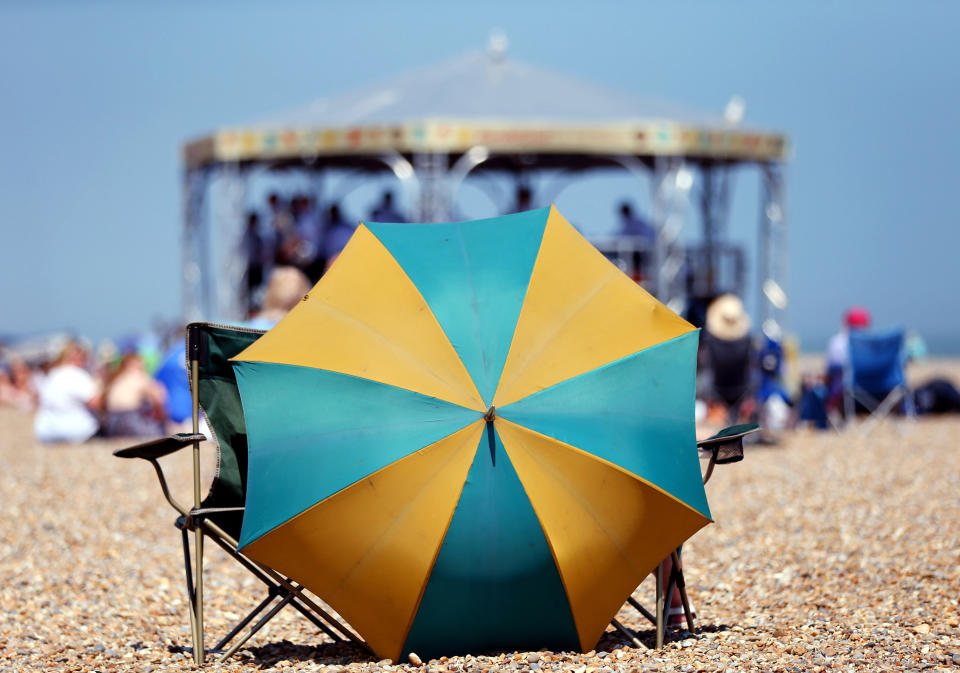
{"x": 393, "y": 426}
{"x": 600, "y": 459}
{"x": 613, "y": 363}
{"x": 401, "y": 514}
{"x": 557, "y": 326}
{"x": 474, "y": 304}
{"x": 393, "y": 346}
{"x": 583, "y": 504}
{"x": 502, "y": 411}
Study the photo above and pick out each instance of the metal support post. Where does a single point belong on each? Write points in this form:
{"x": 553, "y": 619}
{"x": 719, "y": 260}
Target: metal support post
{"x": 710, "y": 229}
{"x": 772, "y": 252}
{"x": 431, "y": 172}
{"x": 193, "y": 251}
{"x": 227, "y": 263}
{"x": 672, "y": 180}
{"x": 405, "y": 173}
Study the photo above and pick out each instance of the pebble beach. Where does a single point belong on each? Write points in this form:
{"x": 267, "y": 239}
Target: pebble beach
{"x": 829, "y": 551}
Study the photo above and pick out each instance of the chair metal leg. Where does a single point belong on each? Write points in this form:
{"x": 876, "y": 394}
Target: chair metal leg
{"x": 198, "y": 654}
{"x": 664, "y": 598}
{"x": 668, "y": 599}
{"x": 307, "y": 608}
{"x": 256, "y": 627}
{"x": 677, "y": 577}
{"x": 660, "y": 607}
{"x": 191, "y": 596}
{"x": 631, "y": 636}
{"x": 273, "y": 590}
{"x": 242, "y": 624}
{"x": 882, "y": 410}
{"x": 642, "y": 610}
{"x": 221, "y": 537}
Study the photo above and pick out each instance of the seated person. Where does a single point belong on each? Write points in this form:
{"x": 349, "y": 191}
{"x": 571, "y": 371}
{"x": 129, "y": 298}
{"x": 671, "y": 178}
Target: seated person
{"x": 728, "y": 358}
{"x": 134, "y": 401}
{"x": 68, "y": 398}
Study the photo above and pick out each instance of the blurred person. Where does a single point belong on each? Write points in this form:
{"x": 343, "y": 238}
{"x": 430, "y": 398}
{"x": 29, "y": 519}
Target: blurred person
{"x": 309, "y": 228}
{"x": 255, "y": 253}
{"x": 812, "y": 408}
{"x": 133, "y": 401}
{"x": 385, "y": 211}
{"x": 727, "y": 376}
{"x": 337, "y": 231}
{"x": 772, "y": 397}
{"x": 524, "y": 199}
{"x": 838, "y": 348}
{"x": 22, "y": 392}
{"x": 172, "y": 375}
{"x": 285, "y": 289}
{"x": 635, "y": 226}
{"x": 280, "y": 219}
{"x": 68, "y": 398}
{"x": 282, "y": 231}
{"x": 6, "y": 386}
{"x": 632, "y": 224}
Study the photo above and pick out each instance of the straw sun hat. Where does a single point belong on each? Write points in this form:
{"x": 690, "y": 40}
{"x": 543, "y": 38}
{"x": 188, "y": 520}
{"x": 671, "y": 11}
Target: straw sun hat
{"x": 727, "y": 319}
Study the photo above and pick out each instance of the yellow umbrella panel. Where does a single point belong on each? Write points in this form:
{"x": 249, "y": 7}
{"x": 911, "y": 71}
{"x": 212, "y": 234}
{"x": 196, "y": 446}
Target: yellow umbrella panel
{"x": 472, "y": 436}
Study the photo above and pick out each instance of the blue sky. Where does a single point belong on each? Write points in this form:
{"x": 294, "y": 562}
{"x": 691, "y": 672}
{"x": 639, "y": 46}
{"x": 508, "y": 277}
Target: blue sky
{"x": 97, "y": 98}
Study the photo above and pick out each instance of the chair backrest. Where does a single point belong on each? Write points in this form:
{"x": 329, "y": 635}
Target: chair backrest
{"x": 730, "y": 362}
{"x": 213, "y": 345}
{"x": 876, "y": 360}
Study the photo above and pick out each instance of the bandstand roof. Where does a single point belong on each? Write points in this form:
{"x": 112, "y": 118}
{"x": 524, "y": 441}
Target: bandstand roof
{"x": 482, "y": 98}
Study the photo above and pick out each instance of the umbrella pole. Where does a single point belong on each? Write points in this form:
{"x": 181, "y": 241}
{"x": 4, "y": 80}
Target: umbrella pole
{"x": 198, "y": 654}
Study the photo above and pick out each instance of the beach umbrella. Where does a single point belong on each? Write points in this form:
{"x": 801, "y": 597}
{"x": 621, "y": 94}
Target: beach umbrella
{"x": 472, "y": 436}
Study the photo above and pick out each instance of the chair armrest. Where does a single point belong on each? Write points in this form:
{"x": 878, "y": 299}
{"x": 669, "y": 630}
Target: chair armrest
{"x": 727, "y": 445}
{"x": 158, "y": 448}
{"x": 728, "y": 435}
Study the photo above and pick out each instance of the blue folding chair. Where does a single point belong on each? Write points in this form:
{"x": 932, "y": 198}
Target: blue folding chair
{"x": 875, "y": 376}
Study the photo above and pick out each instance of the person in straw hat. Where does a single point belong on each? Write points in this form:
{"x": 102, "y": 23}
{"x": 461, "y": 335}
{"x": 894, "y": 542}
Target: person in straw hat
{"x": 728, "y": 357}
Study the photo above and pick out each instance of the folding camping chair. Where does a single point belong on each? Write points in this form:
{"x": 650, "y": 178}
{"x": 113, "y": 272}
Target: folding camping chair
{"x": 875, "y": 376}
{"x": 220, "y": 514}
{"x": 724, "y": 447}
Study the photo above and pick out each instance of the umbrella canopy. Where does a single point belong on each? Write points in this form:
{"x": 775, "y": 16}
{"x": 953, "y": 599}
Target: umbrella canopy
{"x": 472, "y": 436}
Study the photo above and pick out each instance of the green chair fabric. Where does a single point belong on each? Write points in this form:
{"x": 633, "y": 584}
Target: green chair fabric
{"x": 220, "y": 403}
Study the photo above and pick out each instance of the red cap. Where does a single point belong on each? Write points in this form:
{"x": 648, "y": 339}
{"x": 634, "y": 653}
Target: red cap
{"x": 857, "y": 317}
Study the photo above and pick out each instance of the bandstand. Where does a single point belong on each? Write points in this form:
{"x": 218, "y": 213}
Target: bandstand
{"x": 486, "y": 114}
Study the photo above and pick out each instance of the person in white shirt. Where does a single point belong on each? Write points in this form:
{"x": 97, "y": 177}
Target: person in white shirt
{"x": 68, "y": 397}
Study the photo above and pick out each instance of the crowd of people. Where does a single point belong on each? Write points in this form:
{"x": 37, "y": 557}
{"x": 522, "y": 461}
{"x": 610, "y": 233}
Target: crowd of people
{"x": 295, "y": 232}
{"x": 75, "y": 395}
{"x": 136, "y": 389}
{"x": 746, "y": 378}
